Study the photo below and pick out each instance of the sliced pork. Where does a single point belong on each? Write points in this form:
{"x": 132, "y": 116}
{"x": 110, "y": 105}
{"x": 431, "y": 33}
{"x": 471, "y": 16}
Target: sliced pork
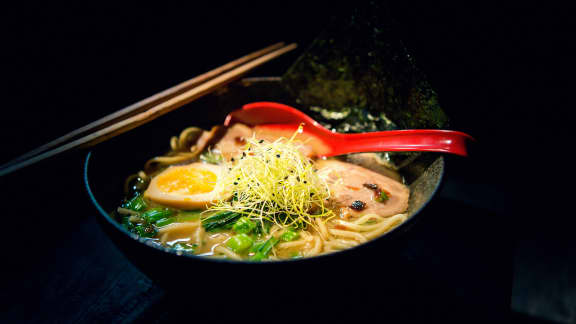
{"x": 233, "y": 142}
{"x": 357, "y": 191}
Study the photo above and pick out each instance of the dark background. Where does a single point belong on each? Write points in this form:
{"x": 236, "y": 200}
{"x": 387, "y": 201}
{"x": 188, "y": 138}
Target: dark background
{"x": 503, "y": 74}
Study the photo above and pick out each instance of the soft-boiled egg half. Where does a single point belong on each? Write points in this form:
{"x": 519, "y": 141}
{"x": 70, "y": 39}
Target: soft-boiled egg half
{"x": 191, "y": 186}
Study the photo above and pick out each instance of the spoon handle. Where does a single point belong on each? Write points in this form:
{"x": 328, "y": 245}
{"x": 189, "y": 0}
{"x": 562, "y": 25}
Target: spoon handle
{"x": 429, "y": 140}
{"x": 285, "y": 118}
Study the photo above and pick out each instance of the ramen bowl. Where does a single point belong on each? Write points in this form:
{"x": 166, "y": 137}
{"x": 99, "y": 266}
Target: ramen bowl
{"x": 108, "y": 165}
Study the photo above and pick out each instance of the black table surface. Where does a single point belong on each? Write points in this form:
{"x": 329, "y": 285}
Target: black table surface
{"x": 483, "y": 249}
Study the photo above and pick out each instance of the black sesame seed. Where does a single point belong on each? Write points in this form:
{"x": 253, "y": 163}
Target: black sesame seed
{"x": 358, "y": 205}
{"x": 235, "y": 183}
{"x": 286, "y": 177}
{"x": 261, "y": 141}
{"x": 232, "y": 159}
{"x": 277, "y": 155}
{"x": 305, "y": 181}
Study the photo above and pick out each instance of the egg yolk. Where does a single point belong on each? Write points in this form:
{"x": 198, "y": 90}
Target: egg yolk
{"x": 189, "y": 181}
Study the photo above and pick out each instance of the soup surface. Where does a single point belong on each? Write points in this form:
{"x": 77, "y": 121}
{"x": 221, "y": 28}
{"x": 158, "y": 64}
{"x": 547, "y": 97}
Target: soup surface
{"x": 245, "y": 194}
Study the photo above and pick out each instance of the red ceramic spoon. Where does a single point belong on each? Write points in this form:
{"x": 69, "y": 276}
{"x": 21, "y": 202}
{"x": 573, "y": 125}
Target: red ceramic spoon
{"x": 275, "y": 117}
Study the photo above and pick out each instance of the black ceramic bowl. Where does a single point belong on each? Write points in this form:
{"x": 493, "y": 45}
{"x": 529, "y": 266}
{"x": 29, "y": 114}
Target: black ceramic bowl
{"x": 108, "y": 165}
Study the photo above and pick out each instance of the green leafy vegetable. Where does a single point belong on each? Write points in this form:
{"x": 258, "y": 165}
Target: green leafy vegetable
{"x": 262, "y": 250}
{"x": 244, "y": 226}
{"x": 289, "y": 235}
{"x": 239, "y": 243}
{"x": 256, "y": 246}
{"x": 220, "y": 221}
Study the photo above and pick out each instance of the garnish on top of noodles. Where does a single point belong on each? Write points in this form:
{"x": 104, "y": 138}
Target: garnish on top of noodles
{"x": 273, "y": 181}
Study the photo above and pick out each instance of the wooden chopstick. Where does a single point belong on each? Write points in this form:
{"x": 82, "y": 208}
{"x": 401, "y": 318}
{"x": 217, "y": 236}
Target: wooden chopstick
{"x": 145, "y": 103}
{"x": 159, "y": 108}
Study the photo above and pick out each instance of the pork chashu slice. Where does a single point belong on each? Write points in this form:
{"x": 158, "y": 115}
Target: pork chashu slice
{"x": 350, "y": 183}
{"x": 234, "y": 140}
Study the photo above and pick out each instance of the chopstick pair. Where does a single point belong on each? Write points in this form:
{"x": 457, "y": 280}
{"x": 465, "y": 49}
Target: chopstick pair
{"x": 148, "y": 109}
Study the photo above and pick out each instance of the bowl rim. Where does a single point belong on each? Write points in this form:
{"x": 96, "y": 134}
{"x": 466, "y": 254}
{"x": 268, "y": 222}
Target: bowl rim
{"x": 388, "y": 235}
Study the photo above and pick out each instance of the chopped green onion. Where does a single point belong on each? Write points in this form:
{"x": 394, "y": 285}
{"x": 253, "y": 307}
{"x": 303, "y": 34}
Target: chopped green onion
{"x": 220, "y": 220}
{"x": 165, "y": 221}
{"x": 239, "y": 243}
{"x": 190, "y": 215}
{"x": 289, "y": 235}
{"x": 264, "y": 249}
{"x": 137, "y": 204}
{"x": 382, "y": 197}
{"x": 244, "y": 225}
{"x": 155, "y": 214}
{"x": 184, "y": 216}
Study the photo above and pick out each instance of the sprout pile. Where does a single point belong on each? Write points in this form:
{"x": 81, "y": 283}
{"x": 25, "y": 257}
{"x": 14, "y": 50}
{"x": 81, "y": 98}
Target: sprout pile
{"x": 275, "y": 182}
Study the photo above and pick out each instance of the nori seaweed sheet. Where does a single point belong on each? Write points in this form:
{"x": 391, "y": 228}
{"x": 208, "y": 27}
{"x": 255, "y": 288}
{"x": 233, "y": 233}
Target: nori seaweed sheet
{"x": 358, "y": 76}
